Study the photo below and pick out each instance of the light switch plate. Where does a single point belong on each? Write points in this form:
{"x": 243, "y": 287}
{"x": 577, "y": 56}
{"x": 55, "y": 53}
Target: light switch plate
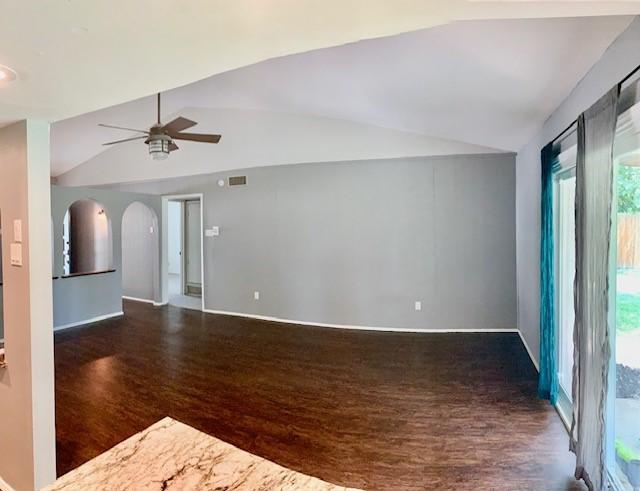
{"x": 16, "y": 254}
{"x": 212, "y": 232}
{"x": 418, "y": 305}
{"x": 17, "y": 230}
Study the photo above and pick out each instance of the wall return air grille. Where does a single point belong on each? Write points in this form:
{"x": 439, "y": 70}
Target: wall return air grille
{"x": 238, "y": 181}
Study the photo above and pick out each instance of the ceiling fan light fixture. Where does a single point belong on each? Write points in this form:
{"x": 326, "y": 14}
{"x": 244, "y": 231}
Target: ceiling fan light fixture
{"x": 160, "y": 138}
{"x": 159, "y": 147}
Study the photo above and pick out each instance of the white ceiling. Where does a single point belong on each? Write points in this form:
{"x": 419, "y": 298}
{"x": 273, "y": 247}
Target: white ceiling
{"x": 488, "y": 83}
{"x": 75, "y": 56}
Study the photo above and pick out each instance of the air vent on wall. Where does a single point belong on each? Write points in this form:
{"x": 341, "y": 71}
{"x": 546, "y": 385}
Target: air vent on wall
{"x": 238, "y": 181}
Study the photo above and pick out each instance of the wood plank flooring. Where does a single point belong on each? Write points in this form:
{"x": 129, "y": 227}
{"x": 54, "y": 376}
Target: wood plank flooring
{"x": 365, "y": 409}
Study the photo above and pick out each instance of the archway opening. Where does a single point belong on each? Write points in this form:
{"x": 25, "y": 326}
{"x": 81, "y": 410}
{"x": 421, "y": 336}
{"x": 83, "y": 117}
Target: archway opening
{"x": 88, "y": 246}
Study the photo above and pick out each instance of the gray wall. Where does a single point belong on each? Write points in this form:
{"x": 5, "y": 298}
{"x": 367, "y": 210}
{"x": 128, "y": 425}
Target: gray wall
{"x": 357, "y": 243}
{"x": 77, "y": 299}
{"x": 140, "y": 252}
{"x": 619, "y": 59}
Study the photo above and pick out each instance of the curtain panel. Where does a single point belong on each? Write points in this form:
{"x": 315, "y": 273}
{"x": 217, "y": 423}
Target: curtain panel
{"x": 548, "y": 379}
{"x": 594, "y": 191}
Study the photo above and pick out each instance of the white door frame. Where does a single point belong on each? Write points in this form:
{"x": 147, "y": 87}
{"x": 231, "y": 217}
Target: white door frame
{"x": 165, "y": 241}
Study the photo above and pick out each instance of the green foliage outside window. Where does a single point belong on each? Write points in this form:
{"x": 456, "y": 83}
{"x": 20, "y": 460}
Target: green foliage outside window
{"x": 628, "y": 189}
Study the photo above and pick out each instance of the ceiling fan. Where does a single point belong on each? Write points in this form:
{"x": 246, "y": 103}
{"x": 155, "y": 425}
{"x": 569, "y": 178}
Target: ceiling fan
{"x": 160, "y": 138}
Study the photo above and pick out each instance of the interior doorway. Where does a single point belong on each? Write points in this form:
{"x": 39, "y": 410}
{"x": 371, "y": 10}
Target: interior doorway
{"x": 184, "y": 251}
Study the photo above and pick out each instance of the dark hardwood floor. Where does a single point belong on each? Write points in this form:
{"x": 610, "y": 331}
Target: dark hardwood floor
{"x": 372, "y": 410}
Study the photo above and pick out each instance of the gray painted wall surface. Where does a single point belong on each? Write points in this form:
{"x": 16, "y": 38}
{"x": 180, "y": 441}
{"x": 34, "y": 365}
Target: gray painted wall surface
{"x": 140, "y": 252}
{"x": 357, "y": 243}
{"x": 80, "y": 298}
{"x": 619, "y": 59}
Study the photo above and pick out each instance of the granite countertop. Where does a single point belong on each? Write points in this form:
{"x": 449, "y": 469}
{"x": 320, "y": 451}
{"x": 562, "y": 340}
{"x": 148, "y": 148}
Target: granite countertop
{"x": 170, "y": 455}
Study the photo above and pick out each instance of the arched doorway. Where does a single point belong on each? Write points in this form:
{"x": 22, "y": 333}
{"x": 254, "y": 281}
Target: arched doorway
{"x": 88, "y": 246}
{"x": 140, "y": 253}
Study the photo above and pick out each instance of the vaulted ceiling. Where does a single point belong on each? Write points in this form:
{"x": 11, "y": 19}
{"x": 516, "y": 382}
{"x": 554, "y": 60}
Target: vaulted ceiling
{"x": 463, "y": 87}
{"x": 74, "y": 56}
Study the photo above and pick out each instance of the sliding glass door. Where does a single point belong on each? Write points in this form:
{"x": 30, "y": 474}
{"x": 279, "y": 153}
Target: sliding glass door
{"x": 564, "y": 211}
{"x": 623, "y": 420}
{"x": 623, "y": 397}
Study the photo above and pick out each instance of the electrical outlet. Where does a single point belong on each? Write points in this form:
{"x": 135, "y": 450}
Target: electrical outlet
{"x": 418, "y": 305}
{"x": 212, "y": 232}
{"x": 256, "y": 295}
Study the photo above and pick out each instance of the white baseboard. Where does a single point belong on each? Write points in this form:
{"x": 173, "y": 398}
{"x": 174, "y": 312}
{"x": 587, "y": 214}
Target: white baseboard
{"x": 352, "y": 327}
{"x": 564, "y": 418}
{"x": 144, "y": 300}
{"x": 526, "y": 346}
{"x": 88, "y": 321}
{"x": 4, "y": 486}
{"x": 136, "y": 299}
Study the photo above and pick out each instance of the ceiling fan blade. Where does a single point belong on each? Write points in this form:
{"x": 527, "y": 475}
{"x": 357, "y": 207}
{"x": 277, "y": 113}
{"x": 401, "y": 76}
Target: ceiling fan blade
{"x": 178, "y": 124}
{"x": 173, "y": 146}
{"x": 122, "y": 128}
{"x": 126, "y": 140}
{"x": 195, "y": 137}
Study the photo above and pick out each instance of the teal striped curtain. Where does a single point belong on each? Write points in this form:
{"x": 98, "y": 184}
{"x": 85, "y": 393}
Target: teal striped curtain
{"x": 548, "y": 381}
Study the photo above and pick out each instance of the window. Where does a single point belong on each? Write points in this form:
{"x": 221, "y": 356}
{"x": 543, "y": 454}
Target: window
{"x": 87, "y": 239}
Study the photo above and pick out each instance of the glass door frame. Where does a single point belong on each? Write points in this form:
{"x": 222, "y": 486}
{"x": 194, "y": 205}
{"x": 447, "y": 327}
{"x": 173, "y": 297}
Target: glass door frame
{"x": 564, "y": 404}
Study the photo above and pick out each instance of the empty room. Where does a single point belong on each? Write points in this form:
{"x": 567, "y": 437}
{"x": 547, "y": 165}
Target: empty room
{"x": 301, "y": 245}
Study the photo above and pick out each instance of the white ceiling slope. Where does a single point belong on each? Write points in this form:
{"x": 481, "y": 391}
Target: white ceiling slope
{"x": 259, "y": 138}
{"x": 75, "y": 56}
{"x": 487, "y": 83}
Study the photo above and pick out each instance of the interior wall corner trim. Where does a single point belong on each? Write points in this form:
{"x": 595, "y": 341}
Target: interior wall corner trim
{"x": 526, "y": 346}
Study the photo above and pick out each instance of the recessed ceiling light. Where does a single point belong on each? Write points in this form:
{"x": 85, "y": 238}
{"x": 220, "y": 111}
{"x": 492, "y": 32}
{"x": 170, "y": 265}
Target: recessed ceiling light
{"x": 7, "y": 75}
